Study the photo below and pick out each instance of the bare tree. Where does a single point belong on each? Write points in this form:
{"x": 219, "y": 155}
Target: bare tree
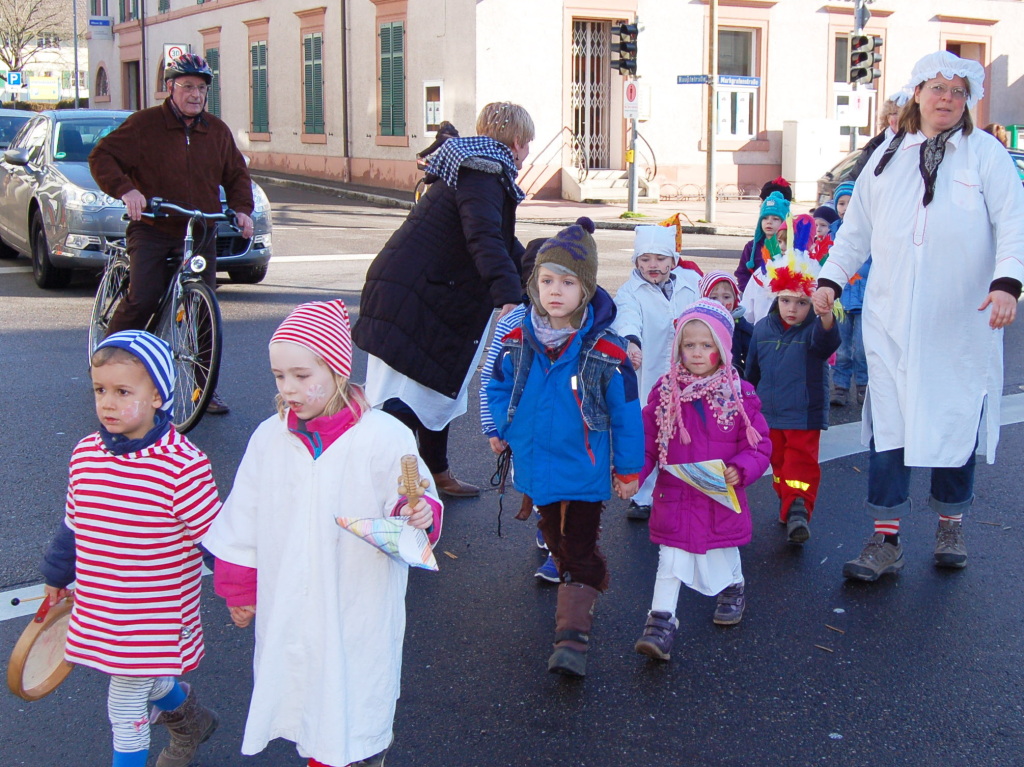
{"x": 29, "y": 26}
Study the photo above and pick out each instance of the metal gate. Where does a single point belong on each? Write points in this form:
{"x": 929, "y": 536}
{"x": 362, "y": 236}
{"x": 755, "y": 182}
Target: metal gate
{"x": 590, "y": 94}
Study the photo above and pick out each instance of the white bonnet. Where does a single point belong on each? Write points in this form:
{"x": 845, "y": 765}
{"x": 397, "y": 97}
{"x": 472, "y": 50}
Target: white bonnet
{"x": 949, "y": 65}
{"x": 660, "y": 240}
{"x": 902, "y": 96}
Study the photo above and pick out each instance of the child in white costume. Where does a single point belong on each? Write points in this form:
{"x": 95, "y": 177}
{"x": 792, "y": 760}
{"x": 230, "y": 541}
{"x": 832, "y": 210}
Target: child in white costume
{"x": 330, "y": 608}
{"x": 656, "y": 292}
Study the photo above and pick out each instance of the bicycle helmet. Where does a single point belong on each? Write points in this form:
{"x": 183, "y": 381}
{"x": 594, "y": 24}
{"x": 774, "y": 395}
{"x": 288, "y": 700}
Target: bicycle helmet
{"x": 189, "y": 64}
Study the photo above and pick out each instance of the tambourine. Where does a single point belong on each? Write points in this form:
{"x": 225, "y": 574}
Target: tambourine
{"x": 37, "y": 665}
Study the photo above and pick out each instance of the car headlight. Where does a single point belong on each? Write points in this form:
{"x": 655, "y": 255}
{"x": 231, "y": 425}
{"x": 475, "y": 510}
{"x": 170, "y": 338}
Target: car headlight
{"x": 77, "y": 198}
{"x": 261, "y": 203}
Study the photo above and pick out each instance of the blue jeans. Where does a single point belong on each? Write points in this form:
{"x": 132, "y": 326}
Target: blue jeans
{"x": 952, "y": 490}
{"x": 850, "y": 359}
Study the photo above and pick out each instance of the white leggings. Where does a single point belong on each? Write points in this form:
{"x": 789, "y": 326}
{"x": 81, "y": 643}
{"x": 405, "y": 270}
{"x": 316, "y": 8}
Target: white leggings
{"x": 128, "y": 701}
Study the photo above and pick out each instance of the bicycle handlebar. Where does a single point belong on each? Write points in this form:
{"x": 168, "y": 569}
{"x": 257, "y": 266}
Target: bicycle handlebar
{"x": 162, "y": 208}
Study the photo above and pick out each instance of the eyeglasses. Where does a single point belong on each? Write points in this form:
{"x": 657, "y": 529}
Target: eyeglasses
{"x": 190, "y": 89}
{"x": 940, "y": 90}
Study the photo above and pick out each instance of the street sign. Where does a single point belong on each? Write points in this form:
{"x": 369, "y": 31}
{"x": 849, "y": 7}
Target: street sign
{"x": 630, "y": 101}
{"x": 172, "y": 51}
{"x": 100, "y": 27}
{"x": 739, "y": 80}
{"x": 692, "y": 79}
{"x": 14, "y": 79}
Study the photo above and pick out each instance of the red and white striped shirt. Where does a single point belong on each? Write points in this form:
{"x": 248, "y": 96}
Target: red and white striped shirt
{"x": 137, "y": 520}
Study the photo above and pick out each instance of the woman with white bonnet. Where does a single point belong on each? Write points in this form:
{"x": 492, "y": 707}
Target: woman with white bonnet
{"x": 940, "y": 208}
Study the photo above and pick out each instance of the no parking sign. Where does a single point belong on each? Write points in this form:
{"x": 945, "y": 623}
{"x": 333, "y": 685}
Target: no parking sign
{"x": 630, "y": 100}
{"x": 172, "y": 51}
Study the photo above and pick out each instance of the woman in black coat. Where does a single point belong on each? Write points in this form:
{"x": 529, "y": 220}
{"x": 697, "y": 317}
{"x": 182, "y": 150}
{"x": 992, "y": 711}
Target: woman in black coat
{"x": 429, "y": 294}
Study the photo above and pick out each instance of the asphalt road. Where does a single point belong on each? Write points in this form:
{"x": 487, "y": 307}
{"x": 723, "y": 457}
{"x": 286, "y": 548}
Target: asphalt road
{"x": 925, "y": 669}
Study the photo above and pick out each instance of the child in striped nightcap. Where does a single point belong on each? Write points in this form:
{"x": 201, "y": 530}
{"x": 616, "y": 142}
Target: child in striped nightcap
{"x": 136, "y": 601}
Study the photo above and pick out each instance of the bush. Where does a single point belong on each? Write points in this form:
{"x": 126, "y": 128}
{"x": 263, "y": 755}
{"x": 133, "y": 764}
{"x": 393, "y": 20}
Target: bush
{"x": 38, "y": 106}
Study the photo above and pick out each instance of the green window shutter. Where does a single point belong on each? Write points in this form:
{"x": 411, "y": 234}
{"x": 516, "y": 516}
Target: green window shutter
{"x": 392, "y": 79}
{"x": 163, "y": 6}
{"x": 312, "y": 83}
{"x": 213, "y": 97}
{"x": 260, "y": 110}
{"x": 318, "y": 83}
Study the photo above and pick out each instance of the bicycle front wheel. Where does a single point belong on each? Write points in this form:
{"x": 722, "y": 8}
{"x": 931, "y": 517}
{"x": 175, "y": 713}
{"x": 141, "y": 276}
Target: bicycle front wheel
{"x": 191, "y": 326}
{"x": 419, "y": 190}
{"x": 112, "y": 289}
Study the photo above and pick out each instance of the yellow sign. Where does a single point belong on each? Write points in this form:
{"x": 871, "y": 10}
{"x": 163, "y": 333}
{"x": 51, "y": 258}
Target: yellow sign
{"x": 44, "y": 89}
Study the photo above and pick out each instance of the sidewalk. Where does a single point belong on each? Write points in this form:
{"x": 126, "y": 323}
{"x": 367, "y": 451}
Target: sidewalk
{"x": 732, "y": 217}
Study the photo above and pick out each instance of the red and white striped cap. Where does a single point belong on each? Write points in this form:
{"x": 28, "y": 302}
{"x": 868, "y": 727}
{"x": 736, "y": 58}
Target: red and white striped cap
{"x": 323, "y": 328}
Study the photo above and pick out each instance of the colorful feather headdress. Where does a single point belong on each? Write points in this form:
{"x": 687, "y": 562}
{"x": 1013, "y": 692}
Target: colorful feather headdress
{"x": 795, "y": 271}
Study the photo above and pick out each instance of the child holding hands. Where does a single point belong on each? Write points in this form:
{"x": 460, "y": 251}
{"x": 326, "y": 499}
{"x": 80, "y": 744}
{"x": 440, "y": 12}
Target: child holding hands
{"x": 700, "y": 411}
{"x": 564, "y": 397}
{"x": 329, "y": 608}
{"x": 140, "y": 499}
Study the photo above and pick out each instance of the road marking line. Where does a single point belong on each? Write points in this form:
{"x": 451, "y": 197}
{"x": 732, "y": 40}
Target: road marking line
{"x": 15, "y": 269}
{"x": 328, "y": 257}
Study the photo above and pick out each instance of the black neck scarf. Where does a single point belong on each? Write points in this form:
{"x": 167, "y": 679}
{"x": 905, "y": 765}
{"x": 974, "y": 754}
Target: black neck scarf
{"x": 932, "y": 152}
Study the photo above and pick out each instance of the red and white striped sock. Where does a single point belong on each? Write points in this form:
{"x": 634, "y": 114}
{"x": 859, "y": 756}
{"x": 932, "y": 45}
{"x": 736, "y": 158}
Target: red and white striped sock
{"x": 887, "y": 526}
{"x": 953, "y": 518}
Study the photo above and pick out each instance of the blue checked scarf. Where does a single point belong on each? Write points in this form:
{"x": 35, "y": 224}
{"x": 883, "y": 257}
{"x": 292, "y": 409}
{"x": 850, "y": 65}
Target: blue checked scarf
{"x": 445, "y": 163}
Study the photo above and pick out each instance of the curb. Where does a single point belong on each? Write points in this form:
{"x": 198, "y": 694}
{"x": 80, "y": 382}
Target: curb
{"x": 730, "y": 231}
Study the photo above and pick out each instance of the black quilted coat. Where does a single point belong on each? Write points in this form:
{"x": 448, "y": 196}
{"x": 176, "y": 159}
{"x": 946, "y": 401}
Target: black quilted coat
{"x": 430, "y": 292}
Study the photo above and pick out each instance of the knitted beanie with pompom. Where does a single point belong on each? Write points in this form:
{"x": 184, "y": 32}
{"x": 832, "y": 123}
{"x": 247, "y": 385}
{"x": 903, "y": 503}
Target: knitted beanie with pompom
{"x": 571, "y": 251}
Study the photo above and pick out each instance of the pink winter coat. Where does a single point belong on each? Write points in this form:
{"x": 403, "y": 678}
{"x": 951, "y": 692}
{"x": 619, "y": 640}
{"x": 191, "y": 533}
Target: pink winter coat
{"x": 682, "y": 516}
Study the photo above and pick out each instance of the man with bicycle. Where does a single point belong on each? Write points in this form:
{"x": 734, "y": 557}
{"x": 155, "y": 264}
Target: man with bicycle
{"x": 182, "y": 153}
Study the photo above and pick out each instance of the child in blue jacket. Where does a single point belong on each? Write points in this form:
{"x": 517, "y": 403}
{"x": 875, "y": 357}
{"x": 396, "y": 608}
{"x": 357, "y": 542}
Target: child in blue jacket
{"x": 564, "y": 396}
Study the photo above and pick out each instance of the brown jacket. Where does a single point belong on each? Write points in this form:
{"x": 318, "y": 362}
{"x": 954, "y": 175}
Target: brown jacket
{"x": 152, "y": 151}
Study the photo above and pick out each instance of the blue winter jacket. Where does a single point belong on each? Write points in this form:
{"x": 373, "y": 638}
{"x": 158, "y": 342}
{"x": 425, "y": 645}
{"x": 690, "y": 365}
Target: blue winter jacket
{"x": 853, "y": 292}
{"x": 789, "y": 367}
{"x": 558, "y": 457}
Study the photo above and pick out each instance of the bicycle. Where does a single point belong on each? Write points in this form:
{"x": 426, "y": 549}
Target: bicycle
{"x": 421, "y": 185}
{"x": 188, "y": 317}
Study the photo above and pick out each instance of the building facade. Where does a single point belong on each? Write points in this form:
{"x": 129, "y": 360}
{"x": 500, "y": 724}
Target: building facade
{"x": 352, "y": 89}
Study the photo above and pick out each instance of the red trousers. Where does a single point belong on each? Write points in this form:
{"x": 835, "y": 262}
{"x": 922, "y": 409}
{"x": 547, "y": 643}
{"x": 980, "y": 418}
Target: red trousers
{"x": 795, "y": 469}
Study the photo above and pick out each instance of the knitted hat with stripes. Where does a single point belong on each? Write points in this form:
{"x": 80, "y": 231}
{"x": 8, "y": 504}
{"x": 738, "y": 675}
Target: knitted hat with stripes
{"x": 709, "y": 280}
{"x": 324, "y": 329}
{"x": 154, "y": 354}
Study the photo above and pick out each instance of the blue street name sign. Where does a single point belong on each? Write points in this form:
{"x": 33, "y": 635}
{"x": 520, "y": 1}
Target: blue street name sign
{"x": 691, "y": 79}
{"x": 747, "y": 82}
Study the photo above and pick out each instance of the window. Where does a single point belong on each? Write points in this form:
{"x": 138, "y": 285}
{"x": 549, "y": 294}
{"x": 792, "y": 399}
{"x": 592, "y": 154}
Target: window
{"x": 100, "y": 7}
{"x": 258, "y": 100}
{"x": 737, "y": 104}
{"x": 129, "y": 10}
{"x": 313, "y": 82}
{"x": 163, "y": 6}
{"x": 392, "y": 78}
{"x": 841, "y": 69}
{"x": 213, "y": 96}
{"x": 102, "y": 87}
{"x": 48, "y": 40}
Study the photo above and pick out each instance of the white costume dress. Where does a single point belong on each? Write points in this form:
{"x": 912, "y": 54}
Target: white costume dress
{"x": 933, "y": 360}
{"x": 330, "y": 608}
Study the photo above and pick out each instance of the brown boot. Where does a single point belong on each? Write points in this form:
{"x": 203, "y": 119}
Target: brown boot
{"x": 190, "y": 724}
{"x": 573, "y": 618}
{"x": 448, "y": 484}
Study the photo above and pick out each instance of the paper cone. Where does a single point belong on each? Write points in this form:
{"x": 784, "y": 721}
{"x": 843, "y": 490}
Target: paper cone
{"x": 395, "y": 537}
{"x": 709, "y": 478}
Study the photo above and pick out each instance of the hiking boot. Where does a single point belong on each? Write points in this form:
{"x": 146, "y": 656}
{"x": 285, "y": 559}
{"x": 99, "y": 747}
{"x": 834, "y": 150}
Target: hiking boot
{"x": 548, "y": 571}
{"x": 797, "y": 529}
{"x": 878, "y": 558}
{"x": 862, "y": 392}
{"x": 731, "y": 604}
{"x": 448, "y": 484}
{"x": 189, "y": 724}
{"x": 636, "y": 511}
{"x": 950, "y": 549}
{"x": 574, "y": 616}
{"x": 659, "y": 633}
{"x": 217, "y": 406}
{"x": 839, "y": 396}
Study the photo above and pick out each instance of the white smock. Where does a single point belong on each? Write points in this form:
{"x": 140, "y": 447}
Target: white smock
{"x": 757, "y": 297}
{"x": 330, "y": 608}
{"x": 434, "y": 409}
{"x": 933, "y": 361}
{"x": 706, "y": 573}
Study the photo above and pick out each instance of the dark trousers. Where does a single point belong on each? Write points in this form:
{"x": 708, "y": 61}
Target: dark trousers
{"x": 153, "y": 259}
{"x": 433, "y": 444}
{"x": 570, "y": 529}
{"x": 796, "y": 472}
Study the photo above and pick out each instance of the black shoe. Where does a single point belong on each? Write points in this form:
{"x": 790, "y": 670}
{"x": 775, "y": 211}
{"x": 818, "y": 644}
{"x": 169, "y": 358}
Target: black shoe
{"x": 217, "y": 406}
{"x": 796, "y": 523}
{"x": 636, "y": 511}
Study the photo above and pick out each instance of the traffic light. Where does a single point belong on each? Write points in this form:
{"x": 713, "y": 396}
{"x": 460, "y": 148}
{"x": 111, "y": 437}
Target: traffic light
{"x": 626, "y": 48}
{"x": 863, "y": 57}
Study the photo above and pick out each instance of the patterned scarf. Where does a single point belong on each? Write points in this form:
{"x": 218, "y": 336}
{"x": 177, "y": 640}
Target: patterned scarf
{"x": 932, "y": 152}
{"x": 551, "y": 338}
{"x": 445, "y": 163}
{"x": 681, "y": 386}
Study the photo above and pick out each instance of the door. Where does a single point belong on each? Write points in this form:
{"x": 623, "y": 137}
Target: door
{"x": 130, "y": 95}
{"x": 19, "y": 185}
{"x": 590, "y": 94}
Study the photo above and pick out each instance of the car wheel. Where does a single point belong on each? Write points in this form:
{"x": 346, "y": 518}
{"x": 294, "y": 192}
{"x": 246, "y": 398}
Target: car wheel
{"x": 250, "y": 275}
{"x": 44, "y": 272}
{"x": 6, "y": 251}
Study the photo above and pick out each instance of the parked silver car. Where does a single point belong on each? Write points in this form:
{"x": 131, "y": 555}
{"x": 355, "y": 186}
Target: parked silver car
{"x": 11, "y": 121}
{"x": 52, "y": 210}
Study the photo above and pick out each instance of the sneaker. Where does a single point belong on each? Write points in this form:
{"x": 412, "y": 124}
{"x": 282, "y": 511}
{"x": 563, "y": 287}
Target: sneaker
{"x": 950, "y": 549}
{"x": 862, "y": 392}
{"x": 541, "y": 543}
{"x": 839, "y": 397}
{"x": 636, "y": 511}
{"x": 797, "y": 529}
{"x": 548, "y": 571}
{"x": 731, "y": 604}
{"x": 659, "y": 633}
{"x": 878, "y": 558}
{"x": 217, "y": 406}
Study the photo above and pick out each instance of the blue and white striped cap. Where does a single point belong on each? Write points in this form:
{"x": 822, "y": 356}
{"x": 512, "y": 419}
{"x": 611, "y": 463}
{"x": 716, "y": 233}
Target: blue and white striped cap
{"x": 155, "y": 355}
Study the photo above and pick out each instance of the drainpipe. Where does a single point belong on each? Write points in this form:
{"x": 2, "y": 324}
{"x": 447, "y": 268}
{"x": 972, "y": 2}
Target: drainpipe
{"x": 344, "y": 91}
{"x": 143, "y": 79}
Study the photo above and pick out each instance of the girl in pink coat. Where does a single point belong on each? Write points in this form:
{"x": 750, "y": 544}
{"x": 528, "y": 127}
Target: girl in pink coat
{"x": 700, "y": 411}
